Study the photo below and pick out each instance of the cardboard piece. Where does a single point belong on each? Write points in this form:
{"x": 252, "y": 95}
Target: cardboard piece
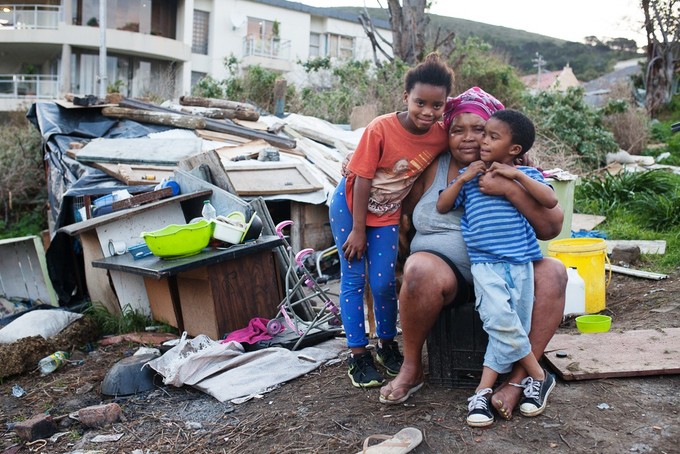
{"x": 615, "y": 354}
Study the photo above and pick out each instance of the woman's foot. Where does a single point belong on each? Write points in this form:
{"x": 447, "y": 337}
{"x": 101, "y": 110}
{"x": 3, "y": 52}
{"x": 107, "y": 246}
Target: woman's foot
{"x": 402, "y": 387}
{"x": 505, "y": 399}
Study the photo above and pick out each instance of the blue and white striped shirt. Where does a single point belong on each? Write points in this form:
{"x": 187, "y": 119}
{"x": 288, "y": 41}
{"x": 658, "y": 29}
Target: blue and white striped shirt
{"x": 493, "y": 229}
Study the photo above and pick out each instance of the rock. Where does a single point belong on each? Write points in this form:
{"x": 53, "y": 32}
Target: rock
{"x": 39, "y": 426}
{"x": 629, "y": 254}
{"x": 100, "y": 415}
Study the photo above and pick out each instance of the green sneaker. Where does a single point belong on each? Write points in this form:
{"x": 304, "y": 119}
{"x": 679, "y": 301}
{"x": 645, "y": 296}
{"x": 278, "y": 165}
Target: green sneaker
{"x": 389, "y": 356}
{"x": 362, "y": 371}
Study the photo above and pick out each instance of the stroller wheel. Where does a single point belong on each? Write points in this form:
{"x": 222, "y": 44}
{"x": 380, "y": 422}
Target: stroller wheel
{"x": 274, "y": 327}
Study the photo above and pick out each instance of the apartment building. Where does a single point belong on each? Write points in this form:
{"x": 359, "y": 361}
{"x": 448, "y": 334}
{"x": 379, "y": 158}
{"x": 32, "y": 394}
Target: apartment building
{"x": 161, "y": 47}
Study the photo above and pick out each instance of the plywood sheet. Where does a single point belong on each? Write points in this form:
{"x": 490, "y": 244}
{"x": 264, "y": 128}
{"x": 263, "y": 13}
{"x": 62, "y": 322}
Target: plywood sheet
{"x": 247, "y": 150}
{"x": 284, "y": 178}
{"x": 616, "y": 354}
{"x": 585, "y": 221}
{"x": 135, "y": 174}
{"x": 166, "y": 152}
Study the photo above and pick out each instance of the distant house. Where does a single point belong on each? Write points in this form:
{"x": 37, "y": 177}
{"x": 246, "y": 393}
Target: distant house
{"x": 553, "y": 80}
{"x": 597, "y": 90}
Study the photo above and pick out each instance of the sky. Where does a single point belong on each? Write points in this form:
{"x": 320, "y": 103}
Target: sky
{"x": 604, "y": 19}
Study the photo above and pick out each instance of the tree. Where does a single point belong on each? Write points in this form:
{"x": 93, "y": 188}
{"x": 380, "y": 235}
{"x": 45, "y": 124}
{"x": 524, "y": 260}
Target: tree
{"x": 409, "y": 40}
{"x": 622, "y": 44}
{"x": 662, "y": 25}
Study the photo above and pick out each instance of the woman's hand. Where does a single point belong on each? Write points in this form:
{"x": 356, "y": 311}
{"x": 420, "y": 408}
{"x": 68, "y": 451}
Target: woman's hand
{"x": 355, "y": 246}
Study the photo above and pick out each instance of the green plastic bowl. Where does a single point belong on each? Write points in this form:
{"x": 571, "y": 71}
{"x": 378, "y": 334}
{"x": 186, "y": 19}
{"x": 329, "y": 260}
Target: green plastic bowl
{"x": 177, "y": 240}
{"x": 593, "y": 323}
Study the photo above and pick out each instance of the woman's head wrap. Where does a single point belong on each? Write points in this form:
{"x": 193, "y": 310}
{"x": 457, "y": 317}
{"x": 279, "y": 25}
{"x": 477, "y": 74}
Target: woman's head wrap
{"x": 475, "y": 100}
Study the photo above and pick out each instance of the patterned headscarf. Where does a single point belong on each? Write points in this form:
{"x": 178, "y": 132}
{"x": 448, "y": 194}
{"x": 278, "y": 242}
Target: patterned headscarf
{"x": 475, "y": 100}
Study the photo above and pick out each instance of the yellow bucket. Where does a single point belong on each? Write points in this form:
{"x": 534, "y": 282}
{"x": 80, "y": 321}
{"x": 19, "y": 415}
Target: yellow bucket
{"x": 588, "y": 256}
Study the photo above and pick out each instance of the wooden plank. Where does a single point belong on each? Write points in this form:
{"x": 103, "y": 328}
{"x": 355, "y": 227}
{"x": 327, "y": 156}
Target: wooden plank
{"x": 23, "y": 270}
{"x": 139, "y": 151}
{"x": 285, "y": 178}
{"x": 175, "y": 120}
{"x": 141, "y": 199}
{"x": 585, "y": 221}
{"x": 248, "y": 150}
{"x": 211, "y": 160}
{"x": 646, "y": 246}
{"x": 221, "y": 136}
{"x": 135, "y": 174}
{"x": 615, "y": 354}
{"x": 257, "y": 125}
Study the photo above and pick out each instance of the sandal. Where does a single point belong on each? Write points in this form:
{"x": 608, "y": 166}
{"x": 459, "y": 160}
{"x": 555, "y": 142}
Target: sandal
{"x": 389, "y": 390}
{"x": 402, "y": 442}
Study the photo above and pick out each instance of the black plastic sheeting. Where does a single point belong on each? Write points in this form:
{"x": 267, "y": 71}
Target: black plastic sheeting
{"x": 68, "y": 179}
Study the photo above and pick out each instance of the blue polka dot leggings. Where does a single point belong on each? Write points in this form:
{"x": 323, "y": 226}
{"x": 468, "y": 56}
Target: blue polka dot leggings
{"x": 381, "y": 253}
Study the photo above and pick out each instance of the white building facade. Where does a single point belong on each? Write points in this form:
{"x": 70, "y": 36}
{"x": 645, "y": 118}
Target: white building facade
{"x": 162, "y": 47}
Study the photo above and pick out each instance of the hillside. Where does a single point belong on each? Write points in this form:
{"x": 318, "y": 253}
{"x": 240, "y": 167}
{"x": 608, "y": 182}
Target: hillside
{"x": 520, "y": 47}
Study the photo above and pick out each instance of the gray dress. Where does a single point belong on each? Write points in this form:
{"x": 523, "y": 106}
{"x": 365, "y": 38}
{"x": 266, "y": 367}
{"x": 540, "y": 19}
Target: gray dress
{"x": 438, "y": 232}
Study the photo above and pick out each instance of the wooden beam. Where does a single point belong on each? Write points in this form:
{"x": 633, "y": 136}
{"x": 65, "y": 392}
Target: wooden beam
{"x": 176, "y": 120}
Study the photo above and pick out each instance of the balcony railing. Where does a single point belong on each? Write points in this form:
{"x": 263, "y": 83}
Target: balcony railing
{"x": 269, "y": 48}
{"x": 29, "y": 86}
{"x": 14, "y": 17}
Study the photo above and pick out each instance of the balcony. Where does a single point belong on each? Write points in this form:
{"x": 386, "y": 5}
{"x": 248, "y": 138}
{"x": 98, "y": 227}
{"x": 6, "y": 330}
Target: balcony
{"x": 269, "y": 53}
{"x": 34, "y": 86}
{"x": 14, "y": 17}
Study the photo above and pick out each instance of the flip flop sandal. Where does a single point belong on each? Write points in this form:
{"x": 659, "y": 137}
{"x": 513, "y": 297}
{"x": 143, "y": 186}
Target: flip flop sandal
{"x": 400, "y": 443}
{"x": 410, "y": 389}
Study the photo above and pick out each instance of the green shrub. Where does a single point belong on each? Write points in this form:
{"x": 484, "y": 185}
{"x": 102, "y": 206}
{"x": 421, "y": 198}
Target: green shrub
{"x": 566, "y": 117}
{"x": 609, "y": 193}
{"x": 23, "y": 187}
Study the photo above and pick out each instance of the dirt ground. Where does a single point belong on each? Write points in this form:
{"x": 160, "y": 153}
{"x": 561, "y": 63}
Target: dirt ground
{"x": 322, "y": 413}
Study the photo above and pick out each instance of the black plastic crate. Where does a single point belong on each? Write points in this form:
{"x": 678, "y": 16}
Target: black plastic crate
{"x": 456, "y": 347}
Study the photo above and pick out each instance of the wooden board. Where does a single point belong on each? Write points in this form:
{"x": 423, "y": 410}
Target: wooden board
{"x": 585, "y": 221}
{"x": 23, "y": 270}
{"x": 248, "y": 150}
{"x": 615, "y": 354}
{"x": 264, "y": 179}
{"x": 139, "y": 151}
{"x": 221, "y": 136}
{"x": 135, "y": 174}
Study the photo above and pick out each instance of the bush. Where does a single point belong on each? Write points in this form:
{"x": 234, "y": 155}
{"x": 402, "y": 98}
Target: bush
{"x": 565, "y": 118}
{"x": 628, "y": 123}
{"x": 23, "y": 187}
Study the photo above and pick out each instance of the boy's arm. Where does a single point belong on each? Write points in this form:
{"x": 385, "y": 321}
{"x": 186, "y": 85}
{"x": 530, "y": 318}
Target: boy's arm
{"x": 447, "y": 197}
{"x": 538, "y": 189}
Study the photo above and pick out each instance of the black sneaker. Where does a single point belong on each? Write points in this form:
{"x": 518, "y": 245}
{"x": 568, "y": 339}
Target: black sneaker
{"x": 389, "y": 356}
{"x": 479, "y": 409}
{"x": 362, "y": 371}
{"x": 536, "y": 394}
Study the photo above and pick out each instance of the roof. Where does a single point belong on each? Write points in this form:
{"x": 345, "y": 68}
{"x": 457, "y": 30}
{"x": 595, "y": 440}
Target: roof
{"x": 560, "y": 80}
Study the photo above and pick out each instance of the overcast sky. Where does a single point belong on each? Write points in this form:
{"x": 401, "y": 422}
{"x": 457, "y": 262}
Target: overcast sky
{"x": 572, "y": 20}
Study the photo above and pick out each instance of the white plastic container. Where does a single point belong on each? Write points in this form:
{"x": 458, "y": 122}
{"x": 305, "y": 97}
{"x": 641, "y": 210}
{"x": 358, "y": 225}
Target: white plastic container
{"x": 227, "y": 232}
{"x": 575, "y": 301}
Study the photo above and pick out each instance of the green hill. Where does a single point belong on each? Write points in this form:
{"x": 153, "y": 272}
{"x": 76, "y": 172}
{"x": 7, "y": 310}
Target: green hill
{"x": 588, "y": 62}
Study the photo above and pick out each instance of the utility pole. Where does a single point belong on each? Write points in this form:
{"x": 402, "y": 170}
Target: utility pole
{"x": 102, "y": 49}
{"x": 538, "y": 63}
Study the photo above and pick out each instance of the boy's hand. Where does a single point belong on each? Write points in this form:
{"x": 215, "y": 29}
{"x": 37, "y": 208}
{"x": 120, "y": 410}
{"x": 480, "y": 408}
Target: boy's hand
{"x": 472, "y": 171}
{"x": 493, "y": 183}
{"x": 503, "y": 169}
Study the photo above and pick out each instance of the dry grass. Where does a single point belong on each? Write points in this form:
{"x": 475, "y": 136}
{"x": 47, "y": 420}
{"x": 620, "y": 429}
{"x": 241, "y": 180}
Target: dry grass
{"x": 630, "y": 128}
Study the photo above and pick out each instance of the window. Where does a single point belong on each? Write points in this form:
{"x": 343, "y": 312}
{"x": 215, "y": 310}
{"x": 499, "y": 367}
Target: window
{"x": 260, "y": 29}
{"x": 340, "y": 46}
{"x": 196, "y": 77}
{"x": 314, "y": 45}
{"x": 199, "y": 43}
{"x": 331, "y": 45}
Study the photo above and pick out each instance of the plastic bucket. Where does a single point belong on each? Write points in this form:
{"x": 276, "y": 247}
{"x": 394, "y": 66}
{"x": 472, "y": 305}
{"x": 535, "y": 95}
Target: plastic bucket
{"x": 588, "y": 256}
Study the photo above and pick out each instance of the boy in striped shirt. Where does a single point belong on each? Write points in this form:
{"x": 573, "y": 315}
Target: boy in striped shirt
{"x": 502, "y": 246}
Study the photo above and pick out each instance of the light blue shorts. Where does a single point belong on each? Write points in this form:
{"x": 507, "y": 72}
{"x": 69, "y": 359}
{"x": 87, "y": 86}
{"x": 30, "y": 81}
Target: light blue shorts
{"x": 504, "y": 299}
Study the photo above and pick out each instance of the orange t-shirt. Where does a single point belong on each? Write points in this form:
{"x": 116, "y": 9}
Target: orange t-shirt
{"x": 392, "y": 158}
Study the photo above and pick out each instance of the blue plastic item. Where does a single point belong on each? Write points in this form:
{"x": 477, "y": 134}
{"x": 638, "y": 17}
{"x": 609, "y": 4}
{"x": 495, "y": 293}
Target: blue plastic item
{"x": 140, "y": 251}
